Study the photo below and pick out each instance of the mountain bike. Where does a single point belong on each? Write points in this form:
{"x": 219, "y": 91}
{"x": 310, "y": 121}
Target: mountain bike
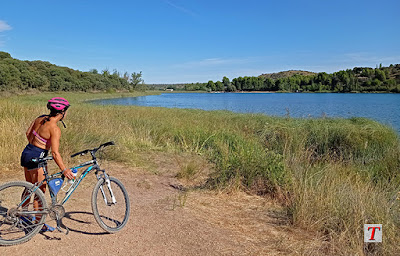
{"x": 23, "y": 207}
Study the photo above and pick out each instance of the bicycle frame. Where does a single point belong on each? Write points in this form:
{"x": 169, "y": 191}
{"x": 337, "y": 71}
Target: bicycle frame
{"x": 71, "y": 189}
{"x": 93, "y": 165}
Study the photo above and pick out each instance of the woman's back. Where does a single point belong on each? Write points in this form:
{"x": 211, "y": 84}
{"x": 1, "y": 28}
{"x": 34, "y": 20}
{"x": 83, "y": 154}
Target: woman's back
{"x": 40, "y": 132}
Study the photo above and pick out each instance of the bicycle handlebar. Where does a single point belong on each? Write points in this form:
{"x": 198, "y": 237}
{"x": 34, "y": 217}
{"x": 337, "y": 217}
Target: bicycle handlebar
{"x": 93, "y": 151}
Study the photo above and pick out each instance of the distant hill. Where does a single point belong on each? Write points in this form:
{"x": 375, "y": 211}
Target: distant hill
{"x": 361, "y": 73}
{"x": 289, "y": 73}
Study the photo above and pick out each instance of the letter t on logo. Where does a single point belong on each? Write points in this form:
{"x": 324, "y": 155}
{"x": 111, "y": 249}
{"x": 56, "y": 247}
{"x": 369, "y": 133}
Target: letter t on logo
{"x": 372, "y": 233}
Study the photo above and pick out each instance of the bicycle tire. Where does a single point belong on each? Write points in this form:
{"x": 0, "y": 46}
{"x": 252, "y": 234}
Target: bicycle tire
{"x": 109, "y": 217}
{"x": 11, "y": 225}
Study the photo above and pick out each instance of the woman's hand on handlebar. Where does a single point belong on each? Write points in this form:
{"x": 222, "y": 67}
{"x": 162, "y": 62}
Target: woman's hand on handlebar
{"x": 68, "y": 173}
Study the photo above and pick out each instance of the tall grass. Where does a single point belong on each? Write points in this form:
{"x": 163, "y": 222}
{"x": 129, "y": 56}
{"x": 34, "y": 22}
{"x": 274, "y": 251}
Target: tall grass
{"x": 333, "y": 175}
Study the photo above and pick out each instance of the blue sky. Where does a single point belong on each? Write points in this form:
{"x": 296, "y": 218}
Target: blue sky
{"x": 174, "y": 41}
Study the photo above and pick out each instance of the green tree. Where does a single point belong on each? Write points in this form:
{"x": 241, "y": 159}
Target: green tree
{"x": 247, "y": 84}
{"x": 56, "y": 83}
{"x": 126, "y": 76}
{"x": 105, "y": 72}
{"x": 238, "y": 83}
{"x": 226, "y": 83}
{"x": 40, "y": 82}
{"x": 219, "y": 86}
{"x": 10, "y": 77}
{"x": 230, "y": 88}
{"x": 115, "y": 74}
{"x": 141, "y": 87}
{"x": 27, "y": 79}
{"x": 269, "y": 84}
{"x": 211, "y": 85}
{"x": 4, "y": 55}
{"x": 366, "y": 72}
{"x": 136, "y": 79}
{"x": 380, "y": 75}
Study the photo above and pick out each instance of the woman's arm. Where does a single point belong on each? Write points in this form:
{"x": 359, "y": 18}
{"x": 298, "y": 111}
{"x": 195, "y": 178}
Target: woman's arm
{"x": 55, "y": 135}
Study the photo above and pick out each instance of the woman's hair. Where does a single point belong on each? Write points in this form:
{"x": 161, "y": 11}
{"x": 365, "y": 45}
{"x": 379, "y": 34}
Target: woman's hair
{"x": 54, "y": 112}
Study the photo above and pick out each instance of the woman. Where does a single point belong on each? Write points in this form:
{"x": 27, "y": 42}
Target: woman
{"x": 43, "y": 135}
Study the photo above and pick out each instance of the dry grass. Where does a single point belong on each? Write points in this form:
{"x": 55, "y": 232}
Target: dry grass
{"x": 262, "y": 226}
{"x": 338, "y": 201}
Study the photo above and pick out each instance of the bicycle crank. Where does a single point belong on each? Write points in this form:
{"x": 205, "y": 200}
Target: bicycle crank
{"x": 57, "y": 212}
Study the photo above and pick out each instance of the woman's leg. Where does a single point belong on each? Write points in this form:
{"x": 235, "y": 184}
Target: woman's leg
{"x": 25, "y": 193}
{"x": 33, "y": 176}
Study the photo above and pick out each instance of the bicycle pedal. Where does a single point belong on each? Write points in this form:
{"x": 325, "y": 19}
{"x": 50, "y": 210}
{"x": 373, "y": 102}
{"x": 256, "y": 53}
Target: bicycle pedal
{"x": 60, "y": 229}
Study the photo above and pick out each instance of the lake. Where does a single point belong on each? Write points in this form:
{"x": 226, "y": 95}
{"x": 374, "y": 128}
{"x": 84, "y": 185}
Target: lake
{"x": 381, "y": 107}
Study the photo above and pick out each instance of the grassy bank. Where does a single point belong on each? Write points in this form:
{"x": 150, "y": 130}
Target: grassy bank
{"x": 333, "y": 175}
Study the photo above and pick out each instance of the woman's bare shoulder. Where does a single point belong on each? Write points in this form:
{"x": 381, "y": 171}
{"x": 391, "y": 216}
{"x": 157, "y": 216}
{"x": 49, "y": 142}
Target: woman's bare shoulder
{"x": 54, "y": 127}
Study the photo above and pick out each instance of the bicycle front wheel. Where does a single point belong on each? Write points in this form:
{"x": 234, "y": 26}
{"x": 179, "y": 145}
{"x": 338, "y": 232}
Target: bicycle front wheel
{"x": 111, "y": 215}
{"x": 21, "y": 212}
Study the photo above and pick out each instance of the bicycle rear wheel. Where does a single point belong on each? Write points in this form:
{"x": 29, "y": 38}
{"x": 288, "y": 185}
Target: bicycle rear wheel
{"x": 18, "y": 224}
{"x": 111, "y": 217}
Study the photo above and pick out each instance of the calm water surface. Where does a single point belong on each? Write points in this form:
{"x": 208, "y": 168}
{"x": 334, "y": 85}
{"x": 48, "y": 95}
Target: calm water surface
{"x": 381, "y": 107}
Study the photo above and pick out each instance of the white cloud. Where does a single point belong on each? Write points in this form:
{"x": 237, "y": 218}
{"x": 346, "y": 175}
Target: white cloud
{"x": 180, "y": 8}
{"x": 212, "y": 62}
{"x": 363, "y": 57}
{"x": 4, "y": 26}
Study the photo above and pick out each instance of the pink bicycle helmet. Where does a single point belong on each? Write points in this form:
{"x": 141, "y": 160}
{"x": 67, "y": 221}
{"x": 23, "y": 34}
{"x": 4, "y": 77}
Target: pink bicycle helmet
{"x": 58, "y": 104}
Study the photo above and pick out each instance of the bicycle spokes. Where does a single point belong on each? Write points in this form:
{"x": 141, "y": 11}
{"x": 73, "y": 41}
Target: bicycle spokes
{"x": 22, "y": 212}
{"x": 110, "y": 204}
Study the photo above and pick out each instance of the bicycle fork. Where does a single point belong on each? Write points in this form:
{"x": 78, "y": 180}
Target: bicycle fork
{"x": 108, "y": 183}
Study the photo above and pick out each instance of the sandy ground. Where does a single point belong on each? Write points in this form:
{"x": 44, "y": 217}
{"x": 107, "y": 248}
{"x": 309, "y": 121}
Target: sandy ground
{"x": 166, "y": 220}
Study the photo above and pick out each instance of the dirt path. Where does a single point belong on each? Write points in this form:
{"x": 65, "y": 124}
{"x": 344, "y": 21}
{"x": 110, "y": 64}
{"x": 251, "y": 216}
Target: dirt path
{"x": 167, "y": 221}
